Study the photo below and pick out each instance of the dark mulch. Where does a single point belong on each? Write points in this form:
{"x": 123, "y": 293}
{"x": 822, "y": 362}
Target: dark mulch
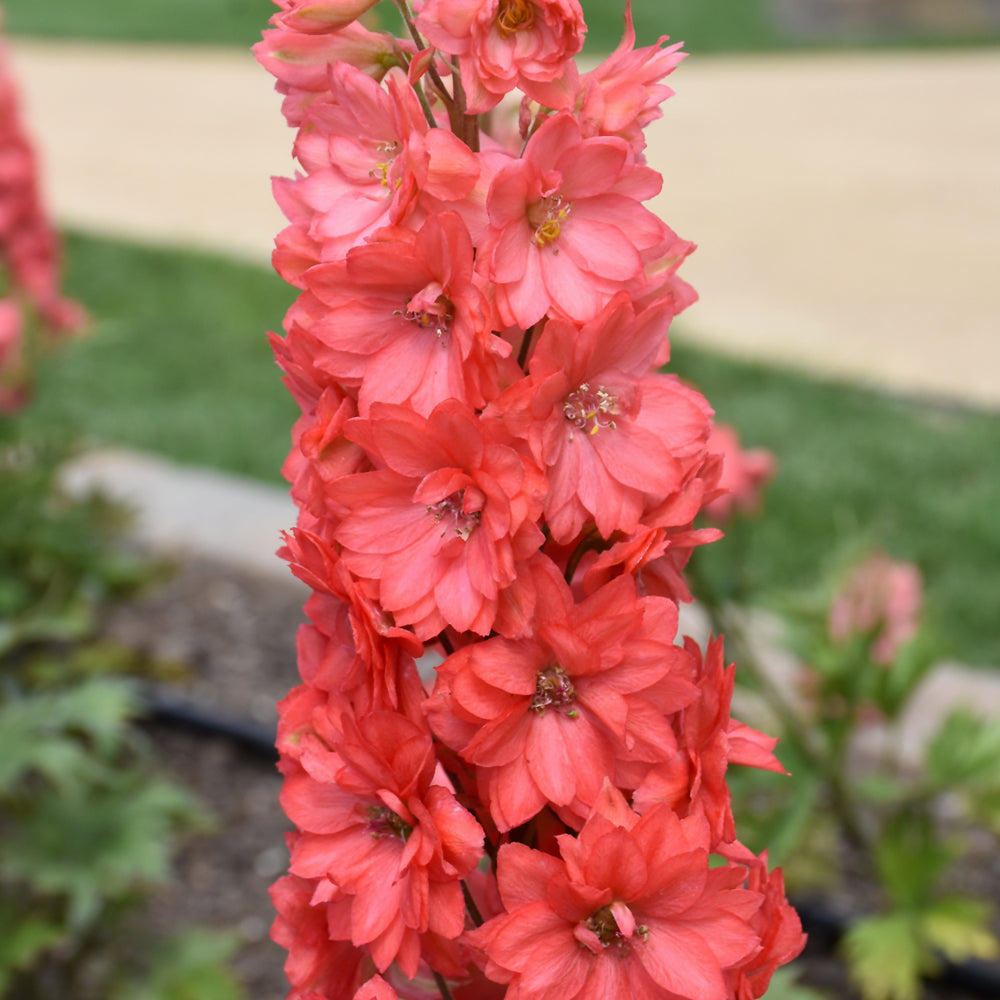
{"x": 236, "y": 633}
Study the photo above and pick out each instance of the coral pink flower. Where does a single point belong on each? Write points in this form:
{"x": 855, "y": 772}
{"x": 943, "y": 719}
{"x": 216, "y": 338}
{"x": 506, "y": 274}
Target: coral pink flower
{"x": 744, "y": 473}
{"x": 654, "y": 556}
{"x": 370, "y": 158}
{"x": 316, "y": 965}
{"x": 882, "y": 597}
{"x": 631, "y": 909}
{"x": 405, "y": 322}
{"x": 301, "y": 62}
{"x": 546, "y": 718}
{"x": 352, "y": 649}
{"x": 779, "y": 928}
{"x": 320, "y": 16}
{"x": 386, "y": 835}
{"x": 608, "y": 439}
{"x": 693, "y": 782}
{"x": 320, "y": 454}
{"x": 376, "y": 989}
{"x": 503, "y": 44}
{"x": 441, "y": 525}
{"x": 567, "y": 227}
{"x": 624, "y": 93}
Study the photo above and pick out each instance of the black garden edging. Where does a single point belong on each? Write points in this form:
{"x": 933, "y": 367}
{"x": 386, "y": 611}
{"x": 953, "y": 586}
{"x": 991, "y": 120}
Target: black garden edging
{"x": 822, "y": 922}
{"x": 249, "y": 736}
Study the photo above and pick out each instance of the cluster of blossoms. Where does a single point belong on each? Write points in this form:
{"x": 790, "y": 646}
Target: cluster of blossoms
{"x": 881, "y": 598}
{"x": 29, "y": 255}
{"x": 507, "y": 776}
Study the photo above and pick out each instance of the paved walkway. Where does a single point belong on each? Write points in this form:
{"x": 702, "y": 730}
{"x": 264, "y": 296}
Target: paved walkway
{"x": 847, "y": 206}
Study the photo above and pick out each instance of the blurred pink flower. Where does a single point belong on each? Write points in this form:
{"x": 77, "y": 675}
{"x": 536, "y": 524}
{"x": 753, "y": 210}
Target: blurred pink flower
{"x": 880, "y": 596}
{"x": 744, "y": 472}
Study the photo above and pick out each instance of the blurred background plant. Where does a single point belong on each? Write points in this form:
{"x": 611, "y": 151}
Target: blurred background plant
{"x": 87, "y": 827}
{"x": 905, "y": 822}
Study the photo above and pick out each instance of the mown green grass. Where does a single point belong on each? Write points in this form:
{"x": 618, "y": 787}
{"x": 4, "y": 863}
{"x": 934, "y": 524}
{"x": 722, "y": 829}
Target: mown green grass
{"x": 704, "y": 25}
{"x": 707, "y": 24}
{"x": 177, "y": 363}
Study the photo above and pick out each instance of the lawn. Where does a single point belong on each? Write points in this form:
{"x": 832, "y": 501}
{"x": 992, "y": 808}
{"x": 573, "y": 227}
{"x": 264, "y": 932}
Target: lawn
{"x": 177, "y": 363}
{"x": 704, "y": 25}
{"x": 721, "y": 24}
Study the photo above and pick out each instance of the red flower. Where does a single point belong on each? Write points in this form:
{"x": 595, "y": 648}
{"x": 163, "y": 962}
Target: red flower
{"x": 385, "y": 839}
{"x": 440, "y": 528}
{"x": 545, "y": 719}
{"x": 502, "y": 44}
{"x": 314, "y": 963}
{"x": 632, "y": 908}
{"x": 694, "y": 781}
{"x": 405, "y": 323}
{"x": 611, "y": 438}
{"x": 567, "y": 227}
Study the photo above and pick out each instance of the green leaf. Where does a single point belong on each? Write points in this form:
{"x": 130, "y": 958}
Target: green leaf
{"x": 23, "y": 938}
{"x": 189, "y": 966}
{"x": 958, "y": 928}
{"x": 48, "y": 733}
{"x": 965, "y": 748}
{"x": 883, "y": 957}
{"x": 911, "y": 858}
{"x": 94, "y": 845}
{"x": 785, "y": 986}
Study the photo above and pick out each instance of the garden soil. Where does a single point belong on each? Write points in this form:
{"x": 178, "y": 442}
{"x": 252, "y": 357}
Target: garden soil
{"x": 233, "y": 632}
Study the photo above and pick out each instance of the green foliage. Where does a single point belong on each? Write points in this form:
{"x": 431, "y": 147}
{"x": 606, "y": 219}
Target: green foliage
{"x": 96, "y": 840}
{"x": 784, "y": 986}
{"x": 87, "y": 829}
{"x": 905, "y": 822}
{"x": 178, "y": 362}
{"x": 884, "y": 957}
{"x": 188, "y": 966}
{"x": 888, "y": 954}
{"x": 856, "y": 464}
{"x": 59, "y": 736}
{"x": 57, "y": 560}
{"x": 86, "y": 825}
{"x": 704, "y": 25}
{"x": 956, "y": 928}
{"x": 963, "y": 760}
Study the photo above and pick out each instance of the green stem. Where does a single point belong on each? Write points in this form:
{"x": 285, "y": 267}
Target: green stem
{"x": 442, "y": 90}
{"x": 470, "y": 906}
{"x": 442, "y": 986}
{"x": 522, "y": 355}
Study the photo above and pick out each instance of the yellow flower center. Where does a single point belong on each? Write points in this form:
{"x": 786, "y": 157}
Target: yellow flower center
{"x": 514, "y": 15}
{"x": 590, "y": 410}
{"x": 547, "y": 216}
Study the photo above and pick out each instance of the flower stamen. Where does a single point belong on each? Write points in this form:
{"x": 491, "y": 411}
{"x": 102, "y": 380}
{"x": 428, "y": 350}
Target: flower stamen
{"x": 388, "y": 151}
{"x": 431, "y": 314}
{"x": 554, "y": 689}
{"x": 464, "y": 521}
{"x": 548, "y": 216}
{"x": 383, "y": 822}
{"x": 514, "y": 15}
{"x": 590, "y": 410}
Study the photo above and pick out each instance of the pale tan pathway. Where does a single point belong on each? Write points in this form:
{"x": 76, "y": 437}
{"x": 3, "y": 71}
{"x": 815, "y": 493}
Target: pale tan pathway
{"x": 847, "y": 207}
